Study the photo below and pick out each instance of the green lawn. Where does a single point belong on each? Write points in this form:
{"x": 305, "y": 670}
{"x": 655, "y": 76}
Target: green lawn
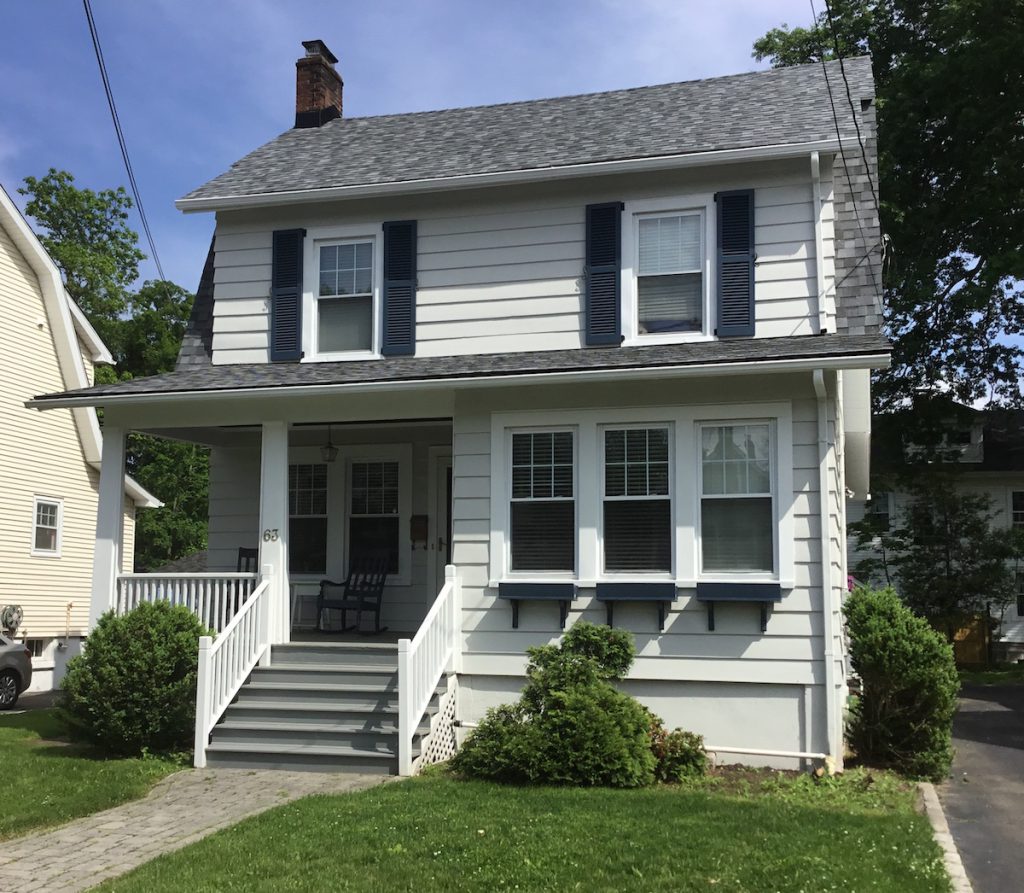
{"x": 47, "y": 781}
{"x": 1001, "y": 674}
{"x": 436, "y": 833}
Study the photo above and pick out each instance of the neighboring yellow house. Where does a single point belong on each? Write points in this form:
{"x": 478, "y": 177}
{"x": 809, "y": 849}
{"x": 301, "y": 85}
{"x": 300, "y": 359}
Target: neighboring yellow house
{"x": 50, "y": 470}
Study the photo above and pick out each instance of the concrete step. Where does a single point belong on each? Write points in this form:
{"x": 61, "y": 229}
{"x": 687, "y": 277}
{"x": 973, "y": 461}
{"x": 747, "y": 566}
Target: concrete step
{"x": 376, "y": 677}
{"x": 316, "y": 758}
{"x": 314, "y": 696}
{"x": 336, "y": 653}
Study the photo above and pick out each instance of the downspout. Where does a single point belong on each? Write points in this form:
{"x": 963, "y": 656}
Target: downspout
{"x": 827, "y": 590}
{"x": 819, "y": 243}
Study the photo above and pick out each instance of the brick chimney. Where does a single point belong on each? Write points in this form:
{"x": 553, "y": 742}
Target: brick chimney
{"x": 318, "y": 86}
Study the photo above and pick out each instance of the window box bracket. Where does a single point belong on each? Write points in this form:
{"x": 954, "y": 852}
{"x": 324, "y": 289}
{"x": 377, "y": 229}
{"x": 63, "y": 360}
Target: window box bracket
{"x": 563, "y": 593}
{"x": 662, "y": 594}
{"x": 761, "y": 594}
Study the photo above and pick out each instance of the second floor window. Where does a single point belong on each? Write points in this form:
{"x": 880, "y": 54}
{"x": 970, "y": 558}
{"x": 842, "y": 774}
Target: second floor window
{"x": 345, "y": 297}
{"x": 669, "y": 285}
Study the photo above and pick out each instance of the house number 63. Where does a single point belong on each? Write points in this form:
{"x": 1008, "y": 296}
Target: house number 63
{"x": 270, "y": 535}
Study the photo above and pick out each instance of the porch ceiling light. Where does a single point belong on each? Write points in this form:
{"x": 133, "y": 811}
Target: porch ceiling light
{"x": 328, "y": 452}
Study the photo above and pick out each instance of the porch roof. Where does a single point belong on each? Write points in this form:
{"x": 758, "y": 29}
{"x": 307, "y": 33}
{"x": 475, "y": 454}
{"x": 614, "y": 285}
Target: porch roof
{"x": 840, "y": 351}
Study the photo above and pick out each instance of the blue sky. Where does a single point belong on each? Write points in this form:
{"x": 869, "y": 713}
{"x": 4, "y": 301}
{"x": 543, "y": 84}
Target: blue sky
{"x": 199, "y": 84}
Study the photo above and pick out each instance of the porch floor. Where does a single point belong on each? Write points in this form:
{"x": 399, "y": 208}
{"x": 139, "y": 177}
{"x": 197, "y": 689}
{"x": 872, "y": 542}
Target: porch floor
{"x": 388, "y": 637}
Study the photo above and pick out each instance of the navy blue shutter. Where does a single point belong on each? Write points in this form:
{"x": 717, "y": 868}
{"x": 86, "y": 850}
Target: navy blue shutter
{"x": 735, "y": 263}
{"x": 286, "y": 295}
{"x": 603, "y": 260}
{"x": 399, "y": 288}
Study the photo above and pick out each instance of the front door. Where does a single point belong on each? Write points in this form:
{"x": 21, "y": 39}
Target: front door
{"x": 441, "y": 546}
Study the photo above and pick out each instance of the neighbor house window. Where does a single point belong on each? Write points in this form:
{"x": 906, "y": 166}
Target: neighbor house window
{"x": 1020, "y": 594}
{"x": 670, "y": 287}
{"x": 307, "y": 521}
{"x": 637, "y": 508}
{"x": 878, "y": 512}
{"x": 345, "y": 297}
{"x": 737, "y": 516}
{"x": 373, "y": 530}
{"x": 1017, "y": 508}
{"x": 543, "y": 506}
{"x": 46, "y": 526}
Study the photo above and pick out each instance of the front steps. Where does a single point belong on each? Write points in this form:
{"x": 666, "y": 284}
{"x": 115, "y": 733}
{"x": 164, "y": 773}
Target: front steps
{"x": 318, "y": 706}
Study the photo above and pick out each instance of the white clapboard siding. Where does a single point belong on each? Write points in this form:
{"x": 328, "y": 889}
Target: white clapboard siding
{"x": 506, "y": 274}
{"x": 42, "y": 456}
{"x": 789, "y": 653}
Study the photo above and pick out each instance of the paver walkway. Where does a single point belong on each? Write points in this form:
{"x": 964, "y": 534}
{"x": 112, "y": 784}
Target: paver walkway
{"x": 984, "y": 798}
{"x": 180, "y": 810}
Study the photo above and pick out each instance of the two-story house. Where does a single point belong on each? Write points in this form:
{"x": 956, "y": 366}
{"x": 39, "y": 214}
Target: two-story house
{"x": 50, "y": 474}
{"x": 602, "y": 356}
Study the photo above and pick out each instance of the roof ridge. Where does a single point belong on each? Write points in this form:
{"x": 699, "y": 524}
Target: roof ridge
{"x": 622, "y": 91}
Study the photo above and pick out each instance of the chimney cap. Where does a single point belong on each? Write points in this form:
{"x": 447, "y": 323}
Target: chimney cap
{"x": 319, "y": 48}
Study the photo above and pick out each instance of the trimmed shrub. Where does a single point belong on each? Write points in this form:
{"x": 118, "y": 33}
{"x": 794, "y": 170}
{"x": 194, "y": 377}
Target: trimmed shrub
{"x": 904, "y": 716}
{"x": 133, "y": 688}
{"x": 678, "y": 754}
{"x": 571, "y": 725}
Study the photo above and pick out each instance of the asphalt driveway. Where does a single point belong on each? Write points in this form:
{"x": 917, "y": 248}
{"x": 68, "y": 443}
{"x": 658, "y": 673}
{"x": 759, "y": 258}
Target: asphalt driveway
{"x": 984, "y": 799}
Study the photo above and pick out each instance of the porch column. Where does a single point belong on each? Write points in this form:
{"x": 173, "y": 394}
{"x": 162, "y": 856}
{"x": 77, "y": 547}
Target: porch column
{"x": 106, "y": 562}
{"x": 274, "y": 525}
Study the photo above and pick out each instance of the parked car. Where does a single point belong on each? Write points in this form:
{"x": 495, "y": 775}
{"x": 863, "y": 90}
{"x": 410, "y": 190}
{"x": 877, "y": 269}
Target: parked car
{"x": 15, "y": 671}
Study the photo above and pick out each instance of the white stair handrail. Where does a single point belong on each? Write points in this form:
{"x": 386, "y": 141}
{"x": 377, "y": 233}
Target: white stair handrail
{"x": 226, "y": 662}
{"x": 423, "y": 660}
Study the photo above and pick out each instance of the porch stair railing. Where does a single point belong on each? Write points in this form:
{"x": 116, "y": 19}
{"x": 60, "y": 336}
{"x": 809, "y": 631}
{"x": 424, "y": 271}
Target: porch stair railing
{"x": 213, "y": 597}
{"x": 226, "y": 662}
{"x": 423, "y": 661}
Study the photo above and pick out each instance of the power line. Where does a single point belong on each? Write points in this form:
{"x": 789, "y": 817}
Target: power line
{"x": 120, "y": 137}
{"x": 853, "y": 112}
{"x": 846, "y": 167}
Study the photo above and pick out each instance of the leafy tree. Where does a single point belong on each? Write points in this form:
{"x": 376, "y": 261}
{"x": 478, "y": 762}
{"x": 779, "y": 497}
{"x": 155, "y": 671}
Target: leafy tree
{"x": 950, "y": 96}
{"x": 87, "y": 235}
{"x": 943, "y": 553}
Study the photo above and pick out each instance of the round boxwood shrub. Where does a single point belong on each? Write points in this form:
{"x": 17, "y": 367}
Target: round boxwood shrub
{"x": 909, "y": 685}
{"x": 133, "y": 687}
{"x": 571, "y": 725}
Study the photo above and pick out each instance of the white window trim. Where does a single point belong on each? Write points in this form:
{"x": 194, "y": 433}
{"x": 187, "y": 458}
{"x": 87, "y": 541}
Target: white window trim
{"x": 602, "y": 430}
{"x": 338, "y": 485}
{"x": 685, "y": 473}
{"x": 704, "y": 203}
{"x": 47, "y": 553}
{"x": 317, "y": 237}
{"x": 506, "y": 515}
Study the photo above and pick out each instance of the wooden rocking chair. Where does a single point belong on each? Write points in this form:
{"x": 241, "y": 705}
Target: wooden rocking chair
{"x": 362, "y": 590}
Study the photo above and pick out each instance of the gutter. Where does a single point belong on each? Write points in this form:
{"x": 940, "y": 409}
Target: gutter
{"x": 501, "y": 178}
{"x": 859, "y": 361}
{"x": 827, "y": 591}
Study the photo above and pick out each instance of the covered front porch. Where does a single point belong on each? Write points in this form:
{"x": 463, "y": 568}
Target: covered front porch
{"x": 293, "y": 502}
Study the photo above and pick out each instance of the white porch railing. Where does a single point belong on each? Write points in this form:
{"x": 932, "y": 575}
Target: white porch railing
{"x": 226, "y": 662}
{"x": 423, "y": 660}
{"x": 214, "y": 598}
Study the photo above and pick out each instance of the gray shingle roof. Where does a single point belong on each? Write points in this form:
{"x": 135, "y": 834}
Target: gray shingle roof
{"x": 197, "y": 343}
{"x": 779, "y": 106}
{"x": 404, "y": 369}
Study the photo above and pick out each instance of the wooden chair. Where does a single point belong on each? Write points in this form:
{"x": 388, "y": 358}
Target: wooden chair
{"x": 362, "y": 590}
{"x": 247, "y": 560}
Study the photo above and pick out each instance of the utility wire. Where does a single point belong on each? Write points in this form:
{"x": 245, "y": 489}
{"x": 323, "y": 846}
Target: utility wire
{"x": 846, "y": 169}
{"x": 853, "y": 112}
{"x": 120, "y": 137}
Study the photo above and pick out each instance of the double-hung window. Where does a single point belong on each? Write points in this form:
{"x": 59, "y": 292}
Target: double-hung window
{"x": 307, "y": 518}
{"x": 345, "y": 289}
{"x": 637, "y": 506}
{"x": 373, "y": 522}
{"x": 543, "y": 506}
{"x": 669, "y": 273}
{"x": 46, "y": 526}
{"x": 737, "y": 515}
{"x": 1017, "y": 509}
